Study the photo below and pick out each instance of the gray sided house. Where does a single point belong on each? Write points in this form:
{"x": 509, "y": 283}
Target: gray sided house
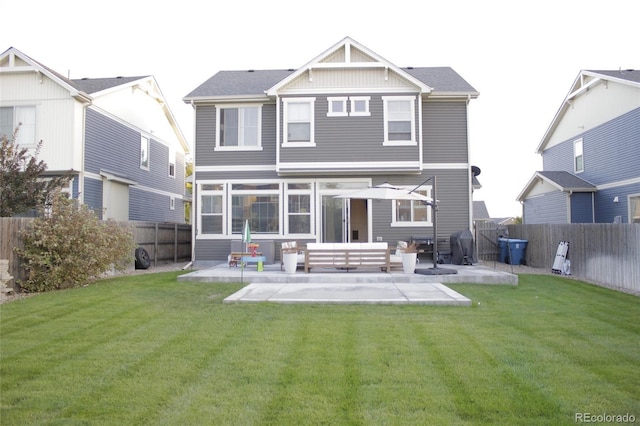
{"x": 590, "y": 155}
{"x": 275, "y": 147}
{"x": 115, "y": 136}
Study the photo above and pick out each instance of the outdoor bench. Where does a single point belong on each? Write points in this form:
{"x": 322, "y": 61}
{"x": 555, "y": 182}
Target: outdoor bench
{"x": 348, "y": 256}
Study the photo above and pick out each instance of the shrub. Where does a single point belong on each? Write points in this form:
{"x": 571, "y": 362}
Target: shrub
{"x": 70, "y": 246}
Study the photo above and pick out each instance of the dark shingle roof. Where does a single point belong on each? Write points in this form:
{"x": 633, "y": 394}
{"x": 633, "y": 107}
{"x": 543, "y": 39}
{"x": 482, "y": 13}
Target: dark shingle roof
{"x": 568, "y": 181}
{"x": 94, "y": 85}
{"x": 441, "y": 79}
{"x": 480, "y": 210}
{"x": 239, "y": 83}
{"x": 257, "y": 82}
{"x": 631, "y": 75}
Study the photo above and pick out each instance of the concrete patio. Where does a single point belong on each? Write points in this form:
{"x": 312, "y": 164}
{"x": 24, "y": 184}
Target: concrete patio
{"x": 368, "y": 286}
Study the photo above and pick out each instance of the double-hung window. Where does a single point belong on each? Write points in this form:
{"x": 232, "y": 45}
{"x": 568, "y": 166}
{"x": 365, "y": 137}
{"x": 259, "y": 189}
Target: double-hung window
{"x": 412, "y": 213}
{"x": 298, "y": 208}
{"x": 144, "y": 152}
{"x": 23, "y": 117}
{"x": 299, "y": 121}
{"x": 239, "y": 127}
{"x": 578, "y": 157}
{"x": 211, "y": 211}
{"x": 399, "y": 120}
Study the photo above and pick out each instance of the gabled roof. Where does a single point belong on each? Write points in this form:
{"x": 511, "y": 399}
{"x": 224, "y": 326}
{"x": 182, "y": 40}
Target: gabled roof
{"x": 248, "y": 83}
{"x": 253, "y": 84}
{"x": 582, "y": 83}
{"x": 87, "y": 90}
{"x": 480, "y": 210}
{"x": 95, "y": 85}
{"x": 11, "y": 59}
{"x": 564, "y": 181}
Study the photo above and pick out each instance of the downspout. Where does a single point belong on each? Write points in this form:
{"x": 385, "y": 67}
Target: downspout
{"x": 470, "y": 177}
{"x": 194, "y": 191}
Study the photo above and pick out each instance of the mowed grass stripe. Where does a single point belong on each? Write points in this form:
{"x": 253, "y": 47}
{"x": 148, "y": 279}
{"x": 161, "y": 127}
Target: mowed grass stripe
{"x": 155, "y": 351}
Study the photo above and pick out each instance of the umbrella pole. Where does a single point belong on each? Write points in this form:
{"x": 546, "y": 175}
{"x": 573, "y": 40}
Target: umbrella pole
{"x": 434, "y": 209}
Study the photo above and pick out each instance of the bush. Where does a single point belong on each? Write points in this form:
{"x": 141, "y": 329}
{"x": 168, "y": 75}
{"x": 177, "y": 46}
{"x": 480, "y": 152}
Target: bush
{"x": 70, "y": 246}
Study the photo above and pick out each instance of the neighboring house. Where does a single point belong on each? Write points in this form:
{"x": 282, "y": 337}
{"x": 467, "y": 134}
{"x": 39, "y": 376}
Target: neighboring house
{"x": 590, "y": 154}
{"x": 275, "y": 147}
{"x": 481, "y": 214}
{"x": 115, "y": 136}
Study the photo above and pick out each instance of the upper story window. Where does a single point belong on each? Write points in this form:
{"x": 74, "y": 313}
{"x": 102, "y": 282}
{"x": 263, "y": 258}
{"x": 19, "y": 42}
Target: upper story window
{"x": 299, "y": 121}
{"x": 578, "y": 157}
{"x": 144, "y": 153}
{"x": 359, "y": 105}
{"x": 337, "y": 107}
{"x": 239, "y": 127}
{"x": 22, "y": 116}
{"x": 172, "y": 163}
{"x": 399, "y": 120}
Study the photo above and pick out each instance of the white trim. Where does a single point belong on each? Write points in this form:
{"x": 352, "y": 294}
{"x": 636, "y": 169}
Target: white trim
{"x": 429, "y": 222}
{"x": 575, "y": 155}
{"x": 412, "y": 113}
{"x": 311, "y": 101}
{"x": 445, "y": 166}
{"x": 383, "y": 165}
{"x": 239, "y": 106}
{"x": 343, "y": 101}
{"x": 263, "y": 168}
{"x": 353, "y": 100}
{"x": 146, "y": 166}
{"x": 618, "y": 183}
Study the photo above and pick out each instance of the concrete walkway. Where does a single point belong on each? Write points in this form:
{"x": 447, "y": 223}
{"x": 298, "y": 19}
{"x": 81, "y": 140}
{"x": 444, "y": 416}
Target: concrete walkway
{"x": 365, "y": 286}
{"x": 350, "y": 293}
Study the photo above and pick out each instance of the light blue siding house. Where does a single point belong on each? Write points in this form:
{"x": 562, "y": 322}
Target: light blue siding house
{"x": 590, "y": 154}
{"x": 115, "y": 136}
{"x": 275, "y": 147}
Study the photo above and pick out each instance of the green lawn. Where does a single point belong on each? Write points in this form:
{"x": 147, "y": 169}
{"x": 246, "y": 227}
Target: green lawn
{"x": 146, "y": 349}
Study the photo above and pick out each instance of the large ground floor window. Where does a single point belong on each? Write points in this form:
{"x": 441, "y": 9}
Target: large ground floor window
{"x": 298, "y": 209}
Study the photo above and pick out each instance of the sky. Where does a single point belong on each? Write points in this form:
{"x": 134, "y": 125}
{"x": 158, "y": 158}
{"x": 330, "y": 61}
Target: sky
{"x": 521, "y": 56}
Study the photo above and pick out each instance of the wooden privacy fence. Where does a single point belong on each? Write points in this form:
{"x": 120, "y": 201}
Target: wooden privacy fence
{"x": 601, "y": 253}
{"x": 162, "y": 241}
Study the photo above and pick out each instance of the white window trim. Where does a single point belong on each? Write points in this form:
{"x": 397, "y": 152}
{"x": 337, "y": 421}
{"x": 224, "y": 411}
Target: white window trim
{"x": 575, "y": 156}
{"x": 144, "y": 139}
{"x": 172, "y": 203}
{"x": 285, "y": 142}
{"x": 631, "y": 213}
{"x": 353, "y": 100}
{"x": 220, "y": 147}
{"x": 343, "y": 101}
{"x": 228, "y": 224}
{"x": 412, "y": 102}
{"x": 215, "y": 192}
{"x": 16, "y": 121}
{"x": 429, "y": 221}
{"x": 172, "y": 161}
{"x": 285, "y": 202}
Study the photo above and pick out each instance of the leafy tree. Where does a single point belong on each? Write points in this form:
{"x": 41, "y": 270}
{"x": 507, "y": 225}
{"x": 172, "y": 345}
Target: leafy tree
{"x": 21, "y": 185}
{"x": 189, "y": 188}
{"x": 71, "y": 245}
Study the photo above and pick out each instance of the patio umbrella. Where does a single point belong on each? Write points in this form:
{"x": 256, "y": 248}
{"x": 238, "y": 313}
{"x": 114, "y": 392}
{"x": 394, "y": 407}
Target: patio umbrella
{"x": 385, "y": 191}
{"x": 246, "y": 239}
